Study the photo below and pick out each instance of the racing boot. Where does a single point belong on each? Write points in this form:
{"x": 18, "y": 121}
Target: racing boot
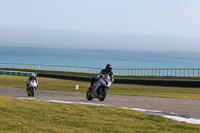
{"x": 90, "y": 88}
{"x": 27, "y": 88}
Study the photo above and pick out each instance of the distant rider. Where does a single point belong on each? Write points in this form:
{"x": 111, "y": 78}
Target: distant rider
{"x": 106, "y": 70}
{"x": 32, "y": 77}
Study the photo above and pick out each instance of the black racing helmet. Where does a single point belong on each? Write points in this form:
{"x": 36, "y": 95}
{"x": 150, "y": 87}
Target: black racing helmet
{"x": 108, "y": 67}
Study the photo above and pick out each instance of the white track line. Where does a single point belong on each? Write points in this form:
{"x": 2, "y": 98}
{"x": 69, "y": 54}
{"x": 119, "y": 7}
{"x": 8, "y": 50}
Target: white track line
{"x": 173, "y": 116}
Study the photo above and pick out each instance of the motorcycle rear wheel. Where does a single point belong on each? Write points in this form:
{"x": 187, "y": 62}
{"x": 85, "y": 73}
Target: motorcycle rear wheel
{"x": 89, "y": 96}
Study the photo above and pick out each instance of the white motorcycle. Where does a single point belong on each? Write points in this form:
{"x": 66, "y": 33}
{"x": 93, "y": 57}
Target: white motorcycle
{"x": 32, "y": 88}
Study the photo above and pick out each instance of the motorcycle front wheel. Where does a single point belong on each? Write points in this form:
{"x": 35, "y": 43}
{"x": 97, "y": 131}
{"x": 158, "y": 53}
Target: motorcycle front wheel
{"x": 29, "y": 93}
{"x": 89, "y": 96}
{"x": 32, "y": 91}
{"x": 102, "y": 93}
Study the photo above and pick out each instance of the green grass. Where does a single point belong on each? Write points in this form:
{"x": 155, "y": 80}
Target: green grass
{"x": 91, "y": 75}
{"x": 20, "y": 115}
{"x": 116, "y": 89}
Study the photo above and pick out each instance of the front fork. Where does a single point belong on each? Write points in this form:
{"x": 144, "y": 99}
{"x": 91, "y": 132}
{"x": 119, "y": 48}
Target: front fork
{"x": 29, "y": 90}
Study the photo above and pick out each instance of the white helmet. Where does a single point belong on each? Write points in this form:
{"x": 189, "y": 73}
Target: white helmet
{"x": 33, "y": 76}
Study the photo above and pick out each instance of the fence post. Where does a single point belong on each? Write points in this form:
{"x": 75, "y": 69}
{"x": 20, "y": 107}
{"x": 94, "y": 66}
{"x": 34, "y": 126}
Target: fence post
{"x": 188, "y": 72}
{"x": 184, "y": 72}
{"x": 159, "y": 72}
{"x": 163, "y": 72}
{"x": 193, "y": 72}
{"x": 175, "y": 72}
{"x": 171, "y": 72}
{"x": 135, "y": 73}
{"x": 180, "y": 72}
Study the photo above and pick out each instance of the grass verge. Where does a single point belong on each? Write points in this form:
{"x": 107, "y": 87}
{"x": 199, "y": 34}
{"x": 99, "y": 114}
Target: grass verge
{"x": 19, "y": 115}
{"x": 116, "y": 89}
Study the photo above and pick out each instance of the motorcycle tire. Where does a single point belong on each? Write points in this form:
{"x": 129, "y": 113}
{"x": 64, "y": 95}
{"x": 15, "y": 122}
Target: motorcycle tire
{"x": 28, "y": 93}
{"x": 102, "y": 93}
{"x": 32, "y": 91}
{"x": 89, "y": 96}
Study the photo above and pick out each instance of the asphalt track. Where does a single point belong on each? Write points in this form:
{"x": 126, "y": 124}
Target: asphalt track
{"x": 182, "y": 107}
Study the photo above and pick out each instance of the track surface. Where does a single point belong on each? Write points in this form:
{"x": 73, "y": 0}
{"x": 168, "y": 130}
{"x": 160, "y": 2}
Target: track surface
{"x": 187, "y": 107}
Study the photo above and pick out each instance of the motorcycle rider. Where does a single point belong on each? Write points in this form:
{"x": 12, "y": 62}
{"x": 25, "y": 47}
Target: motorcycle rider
{"x": 32, "y": 77}
{"x": 107, "y": 70}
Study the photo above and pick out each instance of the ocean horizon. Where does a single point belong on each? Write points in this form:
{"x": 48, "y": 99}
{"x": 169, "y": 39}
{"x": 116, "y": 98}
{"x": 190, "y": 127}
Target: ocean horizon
{"x": 98, "y": 58}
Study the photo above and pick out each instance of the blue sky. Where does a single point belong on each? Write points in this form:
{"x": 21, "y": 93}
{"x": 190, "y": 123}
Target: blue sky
{"x": 171, "y": 25}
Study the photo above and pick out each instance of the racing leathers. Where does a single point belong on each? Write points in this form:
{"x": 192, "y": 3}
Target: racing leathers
{"x": 103, "y": 71}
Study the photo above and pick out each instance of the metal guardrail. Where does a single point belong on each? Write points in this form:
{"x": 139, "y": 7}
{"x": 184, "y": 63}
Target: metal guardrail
{"x": 177, "y": 72}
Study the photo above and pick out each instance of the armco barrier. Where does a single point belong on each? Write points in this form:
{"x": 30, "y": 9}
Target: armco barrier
{"x": 60, "y": 76}
{"x": 154, "y": 82}
{"x": 160, "y": 82}
{"x": 17, "y": 73}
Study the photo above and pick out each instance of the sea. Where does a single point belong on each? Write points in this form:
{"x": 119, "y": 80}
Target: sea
{"x": 98, "y": 58}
